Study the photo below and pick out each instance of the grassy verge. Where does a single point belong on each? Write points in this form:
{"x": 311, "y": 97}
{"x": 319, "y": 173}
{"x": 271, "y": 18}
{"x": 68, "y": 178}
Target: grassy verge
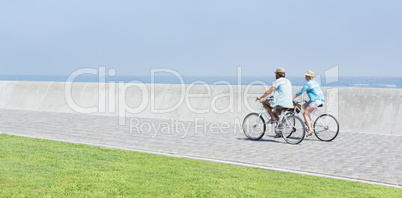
{"x": 42, "y": 168}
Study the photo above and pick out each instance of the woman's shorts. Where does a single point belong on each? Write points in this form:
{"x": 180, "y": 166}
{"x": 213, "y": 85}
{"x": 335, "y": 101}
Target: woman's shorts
{"x": 315, "y": 104}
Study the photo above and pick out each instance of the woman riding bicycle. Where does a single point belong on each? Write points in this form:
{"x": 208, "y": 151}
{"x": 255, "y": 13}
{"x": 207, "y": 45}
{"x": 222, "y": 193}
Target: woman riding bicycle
{"x": 316, "y": 99}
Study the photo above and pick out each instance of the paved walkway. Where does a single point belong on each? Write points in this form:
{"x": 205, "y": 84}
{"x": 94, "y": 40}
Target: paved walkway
{"x": 362, "y": 156}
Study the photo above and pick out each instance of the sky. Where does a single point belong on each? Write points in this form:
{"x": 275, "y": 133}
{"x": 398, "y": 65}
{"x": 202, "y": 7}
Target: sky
{"x": 202, "y": 37}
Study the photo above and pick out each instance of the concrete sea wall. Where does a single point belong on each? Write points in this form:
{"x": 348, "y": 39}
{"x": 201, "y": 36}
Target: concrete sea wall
{"x": 357, "y": 109}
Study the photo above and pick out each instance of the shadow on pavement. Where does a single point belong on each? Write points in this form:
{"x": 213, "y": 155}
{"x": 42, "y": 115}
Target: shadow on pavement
{"x": 261, "y": 140}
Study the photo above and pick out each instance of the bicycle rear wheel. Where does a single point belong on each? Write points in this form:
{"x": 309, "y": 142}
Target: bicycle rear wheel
{"x": 254, "y": 126}
{"x": 326, "y": 127}
{"x": 293, "y": 129}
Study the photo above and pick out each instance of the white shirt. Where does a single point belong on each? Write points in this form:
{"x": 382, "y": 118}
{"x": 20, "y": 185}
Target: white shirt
{"x": 282, "y": 93}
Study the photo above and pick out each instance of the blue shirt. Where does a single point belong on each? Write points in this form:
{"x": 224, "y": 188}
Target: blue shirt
{"x": 282, "y": 93}
{"x": 313, "y": 91}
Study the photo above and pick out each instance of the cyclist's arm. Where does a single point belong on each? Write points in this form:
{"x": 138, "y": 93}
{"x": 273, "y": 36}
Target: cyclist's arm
{"x": 299, "y": 93}
{"x": 270, "y": 90}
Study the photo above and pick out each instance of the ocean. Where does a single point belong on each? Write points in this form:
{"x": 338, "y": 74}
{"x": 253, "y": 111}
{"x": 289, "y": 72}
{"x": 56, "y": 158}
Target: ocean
{"x": 368, "y": 82}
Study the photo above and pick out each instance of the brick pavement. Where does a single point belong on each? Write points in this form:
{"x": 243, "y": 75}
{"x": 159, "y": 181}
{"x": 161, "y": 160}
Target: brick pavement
{"x": 363, "y": 156}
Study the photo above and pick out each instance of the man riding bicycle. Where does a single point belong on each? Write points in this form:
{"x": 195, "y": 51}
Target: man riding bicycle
{"x": 282, "y": 89}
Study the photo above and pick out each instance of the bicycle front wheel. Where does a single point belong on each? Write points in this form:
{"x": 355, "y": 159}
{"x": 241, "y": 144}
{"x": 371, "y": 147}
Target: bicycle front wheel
{"x": 293, "y": 129}
{"x": 326, "y": 127}
{"x": 254, "y": 126}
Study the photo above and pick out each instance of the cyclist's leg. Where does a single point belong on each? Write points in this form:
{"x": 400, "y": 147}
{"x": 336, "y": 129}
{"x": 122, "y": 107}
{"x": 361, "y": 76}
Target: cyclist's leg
{"x": 278, "y": 110}
{"x": 307, "y": 111}
{"x": 305, "y": 105}
{"x": 269, "y": 109}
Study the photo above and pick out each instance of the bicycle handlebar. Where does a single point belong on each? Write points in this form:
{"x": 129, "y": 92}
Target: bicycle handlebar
{"x": 268, "y": 98}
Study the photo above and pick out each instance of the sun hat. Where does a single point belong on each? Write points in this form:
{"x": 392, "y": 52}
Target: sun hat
{"x": 280, "y": 70}
{"x": 309, "y": 74}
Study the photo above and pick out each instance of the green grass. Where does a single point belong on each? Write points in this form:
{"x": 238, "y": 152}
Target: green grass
{"x": 42, "y": 168}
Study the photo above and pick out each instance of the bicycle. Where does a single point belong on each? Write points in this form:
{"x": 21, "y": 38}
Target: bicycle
{"x": 291, "y": 127}
{"x": 325, "y": 127}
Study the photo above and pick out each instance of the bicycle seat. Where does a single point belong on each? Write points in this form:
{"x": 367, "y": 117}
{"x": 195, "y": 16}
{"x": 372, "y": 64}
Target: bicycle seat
{"x": 321, "y": 105}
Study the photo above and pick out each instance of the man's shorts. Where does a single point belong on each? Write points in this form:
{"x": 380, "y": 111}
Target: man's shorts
{"x": 315, "y": 104}
{"x": 276, "y": 109}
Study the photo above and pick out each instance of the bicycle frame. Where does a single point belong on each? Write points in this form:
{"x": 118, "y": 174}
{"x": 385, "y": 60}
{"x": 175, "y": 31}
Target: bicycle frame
{"x": 315, "y": 114}
{"x": 264, "y": 114}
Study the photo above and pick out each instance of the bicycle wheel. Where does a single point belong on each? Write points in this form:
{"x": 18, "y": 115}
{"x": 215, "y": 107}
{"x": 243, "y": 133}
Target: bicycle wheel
{"x": 326, "y": 127}
{"x": 254, "y": 126}
{"x": 293, "y": 129}
{"x": 291, "y": 121}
